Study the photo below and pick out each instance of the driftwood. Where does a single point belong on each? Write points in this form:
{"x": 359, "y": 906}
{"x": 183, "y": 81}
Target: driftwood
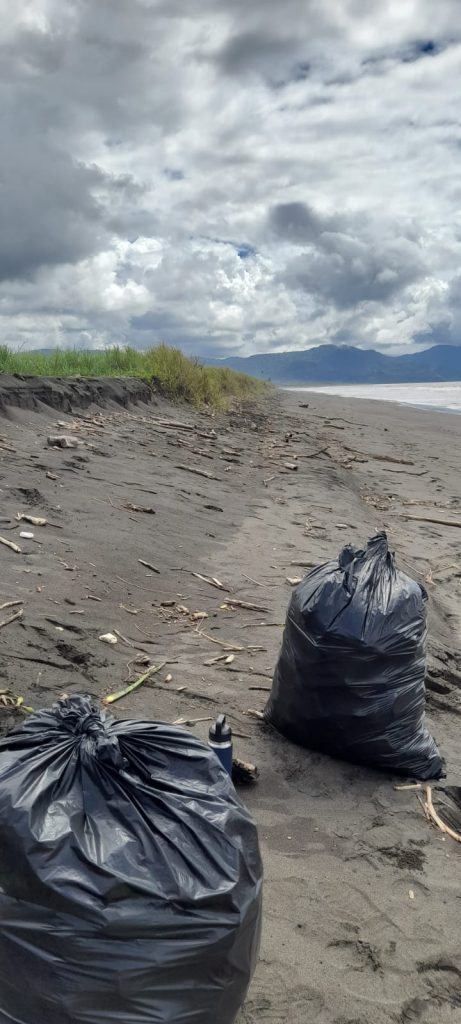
{"x": 33, "y": 520}
{"x": 9, "y": 544}
{"x": 17, "y": 615}
{"x": 291, "y": 465}
{"x": 139, "y": 508}
{"x": 198, "y": 472}
{"x": 312, "y": 455}
{"x": 233, "y": 602}
{"x": 211, "y": 580}
{"x": 436, "y": 818}
{"x": 173, "y": 423}
{"x": 10, "y": 604}
{"x": 429, "y": 519}
{"x": 149, "y": 565}
{"x": 243, "y": 773}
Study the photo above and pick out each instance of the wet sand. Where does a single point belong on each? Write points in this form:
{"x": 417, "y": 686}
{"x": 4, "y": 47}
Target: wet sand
{"x": 344, "y": 941}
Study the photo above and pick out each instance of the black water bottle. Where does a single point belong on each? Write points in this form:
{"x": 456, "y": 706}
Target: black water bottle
{"x": 220, "y": 740}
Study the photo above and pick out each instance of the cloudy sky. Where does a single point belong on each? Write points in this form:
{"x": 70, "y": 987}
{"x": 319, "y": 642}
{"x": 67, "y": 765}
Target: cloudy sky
{"x": 230, "y": 176}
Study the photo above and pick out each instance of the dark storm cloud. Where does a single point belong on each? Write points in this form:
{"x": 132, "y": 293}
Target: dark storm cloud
{"x": 49, "y": 213}
{"x": 299, "y": 223}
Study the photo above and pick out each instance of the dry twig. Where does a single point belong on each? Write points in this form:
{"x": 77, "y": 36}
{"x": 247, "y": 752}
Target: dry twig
{"x": 17, "y": 615}
{"x": 9, "y": 544}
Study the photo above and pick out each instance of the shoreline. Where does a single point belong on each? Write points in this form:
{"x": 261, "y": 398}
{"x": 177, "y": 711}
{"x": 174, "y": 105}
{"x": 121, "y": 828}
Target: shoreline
{"x": 343, "y": 394}
{"x": 191, "y": 492}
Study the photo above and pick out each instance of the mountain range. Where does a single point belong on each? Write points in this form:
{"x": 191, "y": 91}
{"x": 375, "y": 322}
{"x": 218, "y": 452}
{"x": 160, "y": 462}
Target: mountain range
{"x": 333, "y": 364}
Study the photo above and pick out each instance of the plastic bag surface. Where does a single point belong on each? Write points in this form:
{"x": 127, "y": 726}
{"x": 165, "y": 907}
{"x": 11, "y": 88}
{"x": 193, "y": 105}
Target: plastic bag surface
{"x": 130, "y": 875}
{"x": 350, "y": 676}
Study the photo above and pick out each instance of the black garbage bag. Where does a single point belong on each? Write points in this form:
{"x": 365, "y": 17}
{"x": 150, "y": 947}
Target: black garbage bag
{"x": 130, "y": 875}
{"x": 350, "y": 676}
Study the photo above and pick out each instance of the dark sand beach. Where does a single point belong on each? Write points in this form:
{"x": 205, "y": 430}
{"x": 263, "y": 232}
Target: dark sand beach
{"x": 362, "y": 895}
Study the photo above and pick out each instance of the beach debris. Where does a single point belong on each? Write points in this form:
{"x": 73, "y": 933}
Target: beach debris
{"x": 167, "y": 604}
{"x": 318, "y": 643}
{"x": 188, "y": 723}
{"x": 148, "y": 565}
{"x": 304, "y": 565}
{"x": 17, "y": 615}
{"x": 63, "y": 441}
{"x": 182, "y": 609}
{"x": 92, "y": 597}
{"x": 10, "y": 700}
{"x": 429, "y": 519}
{"x": 33, "y": 520}
{"x": 139, "y": 508}
{"x": 291, "y": 465}
{"x": 243, "y": 772}
{"x": 113, "y": 697}
{"x": 294, "y": 580}
{"x": 435, "y": 817}
{"x": 198, "y": 472}
{"x": 257, "y": 583}
{"x": 319, "y": 451}
{"x": 26, "y": 535}
{"x": 131, "y": 611}
{"x": 226, "y": 658}
{"x": 108, "y": 638}
{"x": 234, "y": 602}
{"x": 411, "y": 894}
{"x": 198, "y": 616}
{"x": 169, "y": 678}
{"x": 51, "y": 476}
{"x": 225, "y": 644}
{"x": 9, "y": 544}
{"x": 267, "y": 480}
{"x": 175, "y": 424}
{"x": 211, "y": 580}
{"x": 213, "y": 508}
{"x": 10, "y": 604}
{"x": 252, "y": 713}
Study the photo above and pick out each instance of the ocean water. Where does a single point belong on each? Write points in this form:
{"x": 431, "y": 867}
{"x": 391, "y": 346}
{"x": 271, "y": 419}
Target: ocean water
{"x": 439, "y": 395}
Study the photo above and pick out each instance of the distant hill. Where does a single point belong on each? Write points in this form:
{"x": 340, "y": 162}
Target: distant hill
{"x": 332, "y": 364}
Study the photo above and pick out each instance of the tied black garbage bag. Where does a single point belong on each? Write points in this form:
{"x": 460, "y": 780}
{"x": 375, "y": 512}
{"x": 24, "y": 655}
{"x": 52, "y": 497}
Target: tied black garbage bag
{"x": 130, "y": 875}
{"x": 350, "y": 677}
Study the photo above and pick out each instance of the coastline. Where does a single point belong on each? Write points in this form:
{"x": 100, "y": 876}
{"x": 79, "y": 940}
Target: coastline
{"x": 343, "y": 941}
{"x": 439, "y": 396}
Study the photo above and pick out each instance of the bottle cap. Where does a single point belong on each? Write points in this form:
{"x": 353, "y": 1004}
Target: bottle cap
{"x": 220, "y": 731}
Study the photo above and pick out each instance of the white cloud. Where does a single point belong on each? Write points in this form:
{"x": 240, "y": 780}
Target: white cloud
{"x": 230, "y": 176}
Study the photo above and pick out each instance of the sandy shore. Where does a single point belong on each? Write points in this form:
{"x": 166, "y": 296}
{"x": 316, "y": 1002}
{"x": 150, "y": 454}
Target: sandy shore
{"x": 362, "y": 895}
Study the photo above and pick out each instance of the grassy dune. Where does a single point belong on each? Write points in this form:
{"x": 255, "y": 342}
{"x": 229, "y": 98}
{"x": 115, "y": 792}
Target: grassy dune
{"x": 168, "y": 369}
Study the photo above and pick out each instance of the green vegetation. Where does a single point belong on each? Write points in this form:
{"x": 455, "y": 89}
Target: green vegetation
{"x": 166, "y": 368}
